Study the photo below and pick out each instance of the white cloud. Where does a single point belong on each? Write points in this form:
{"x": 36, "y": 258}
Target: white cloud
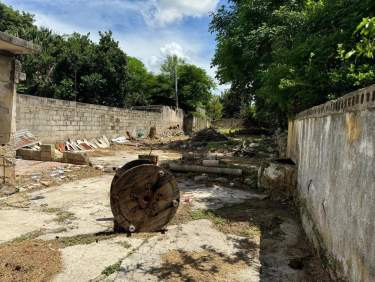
{"x": 173, "y": 49}
{"x": 163, "y": 12}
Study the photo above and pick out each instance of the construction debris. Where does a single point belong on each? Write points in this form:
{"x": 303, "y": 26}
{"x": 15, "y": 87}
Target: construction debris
{"x": 209, "y": 135}
{"x": 201, "y": 178}
{"x": 24, "y": 138}
{"x": 120, "y": 140}
{"x": 78, "y": 158}
{"x": 263, "y": 148}
{"x": 84, "y": 145}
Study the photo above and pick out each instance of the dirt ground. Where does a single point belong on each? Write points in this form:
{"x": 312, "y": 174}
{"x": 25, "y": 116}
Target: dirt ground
{"x": 59, "y": 227}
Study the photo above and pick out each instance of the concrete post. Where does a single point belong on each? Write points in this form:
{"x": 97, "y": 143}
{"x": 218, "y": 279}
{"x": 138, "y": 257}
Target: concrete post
{"x": 7, "y": 120}
{"x": 10, "y": 46}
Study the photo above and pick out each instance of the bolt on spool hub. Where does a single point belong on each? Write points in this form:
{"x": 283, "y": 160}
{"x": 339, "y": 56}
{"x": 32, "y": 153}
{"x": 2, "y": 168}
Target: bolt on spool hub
{"x": 144, "y": 197}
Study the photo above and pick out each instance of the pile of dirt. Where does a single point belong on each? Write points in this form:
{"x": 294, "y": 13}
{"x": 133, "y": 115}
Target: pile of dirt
{"x": 209, "y": 135}
{"x": 29, "y": 261}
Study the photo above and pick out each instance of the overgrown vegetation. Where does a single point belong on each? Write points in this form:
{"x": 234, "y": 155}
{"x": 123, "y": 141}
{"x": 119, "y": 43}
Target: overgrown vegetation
{"x": 282, "y": 57}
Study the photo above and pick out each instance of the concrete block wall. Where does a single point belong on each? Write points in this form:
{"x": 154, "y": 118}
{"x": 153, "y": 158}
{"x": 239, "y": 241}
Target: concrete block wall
{"x": 57, "y": 120}
{"x": 194, "y": 124}
{"x": 333, "y": 146}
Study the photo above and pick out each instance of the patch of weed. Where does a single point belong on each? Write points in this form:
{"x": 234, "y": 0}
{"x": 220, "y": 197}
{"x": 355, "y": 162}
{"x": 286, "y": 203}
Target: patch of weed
{"x": 112, "y": 268}
{"x": 206, "y": 214}
{"x": 28, "y": 236}
{"x": 62, "y": 215}
{"x": 85, "y": 239}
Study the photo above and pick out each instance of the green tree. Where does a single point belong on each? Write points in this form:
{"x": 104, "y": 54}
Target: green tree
{"x": 215, "y": 108}
{"x": 194, "y": 85}
{"x": 194, "y": 88}
{"x": 15, "y": 22}
{"x": 280, "y": 55}
{"x": 140, "y": 83}
{"x": 358, "y": 63}
{"x": 231, "y": 102}
{"x": 112, "y": 63}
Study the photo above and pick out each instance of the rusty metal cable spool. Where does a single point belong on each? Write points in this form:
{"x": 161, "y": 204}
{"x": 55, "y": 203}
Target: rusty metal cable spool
{"x": 144, "y": 197}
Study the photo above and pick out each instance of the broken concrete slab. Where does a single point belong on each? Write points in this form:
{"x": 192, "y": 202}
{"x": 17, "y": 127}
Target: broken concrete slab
{"x": 278, "y": 178}
{"x": 215, "y": 197}
{"x": 86, "y": 200}
{"x": 148, "y": 262}
{"x": 16, "y": 222}
{"x": 86, "y": 262}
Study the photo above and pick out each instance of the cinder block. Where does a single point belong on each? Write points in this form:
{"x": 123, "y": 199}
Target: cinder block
{"x": 78, "y": 158}
{"x": 28, "y": 154}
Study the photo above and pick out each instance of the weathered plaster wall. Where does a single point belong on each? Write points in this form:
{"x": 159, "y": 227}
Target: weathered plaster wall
{"x": 57, "y": 120}
{"x": 333, "y": 146}
{"x": 195, "y": 123}
{"x": 7, "y": 120}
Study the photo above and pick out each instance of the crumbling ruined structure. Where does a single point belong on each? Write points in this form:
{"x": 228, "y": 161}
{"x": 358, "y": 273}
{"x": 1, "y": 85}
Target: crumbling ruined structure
{"x": 10, "y": 46}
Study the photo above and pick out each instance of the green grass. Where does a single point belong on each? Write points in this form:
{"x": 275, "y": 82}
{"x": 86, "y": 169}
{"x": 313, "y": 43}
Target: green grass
{"x": 204, "y": 214}
{"x": 221, "y": 144}
{"x": 28, "y": 236}
{"x": 85, "y": 239}
{"x": 61, "y": 215}
{"x": 228, "y": 131}
{"x": 112, "y": 268}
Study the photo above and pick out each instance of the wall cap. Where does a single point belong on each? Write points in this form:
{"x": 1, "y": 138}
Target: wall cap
{"x": 358, "y": 100}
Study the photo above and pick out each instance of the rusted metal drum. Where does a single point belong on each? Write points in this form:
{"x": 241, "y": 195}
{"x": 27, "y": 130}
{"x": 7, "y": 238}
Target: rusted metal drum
{"x": 144, "y": 197}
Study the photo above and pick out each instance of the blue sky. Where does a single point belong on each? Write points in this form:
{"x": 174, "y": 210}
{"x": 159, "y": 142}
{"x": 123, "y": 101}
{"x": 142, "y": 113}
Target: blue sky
{"x": 146, "y": 29}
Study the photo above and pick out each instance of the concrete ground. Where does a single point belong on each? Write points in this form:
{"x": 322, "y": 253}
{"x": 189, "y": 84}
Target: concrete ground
{"x": 220, "y": 233}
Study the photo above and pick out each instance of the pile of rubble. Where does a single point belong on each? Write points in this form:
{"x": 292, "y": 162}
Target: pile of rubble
{"x": 209, "y": 135}
{"x": 25, "y": 139}
{"x": 264, "y": 148}
{"x": 84, "y": 145}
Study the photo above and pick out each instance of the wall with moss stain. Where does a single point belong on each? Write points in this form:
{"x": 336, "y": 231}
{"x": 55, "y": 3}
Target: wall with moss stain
{"x": 333, "y": 146}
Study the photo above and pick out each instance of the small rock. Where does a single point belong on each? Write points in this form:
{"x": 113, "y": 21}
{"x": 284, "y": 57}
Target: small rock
{"x": 110, "y": 169}
{"x": 221, "y": 180}
{"x": 45, "y": 183}
{"x": 99, "y": 167}
{"x": 37, "y": 198}
{"x": 231, "y": 184}
{"x": 250, "y": 181}
{"x": 9, "y": 190}
{"x": 201, "y": 178}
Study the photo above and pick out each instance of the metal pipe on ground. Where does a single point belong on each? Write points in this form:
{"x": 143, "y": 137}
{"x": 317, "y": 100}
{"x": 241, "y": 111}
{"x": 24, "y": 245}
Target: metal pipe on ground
{"x": 205, "y": 169}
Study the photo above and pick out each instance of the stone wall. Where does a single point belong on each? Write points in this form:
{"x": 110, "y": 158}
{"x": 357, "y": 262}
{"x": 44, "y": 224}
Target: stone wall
{"x": 333, "y": 146}
{"x": 56, "y": 120}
